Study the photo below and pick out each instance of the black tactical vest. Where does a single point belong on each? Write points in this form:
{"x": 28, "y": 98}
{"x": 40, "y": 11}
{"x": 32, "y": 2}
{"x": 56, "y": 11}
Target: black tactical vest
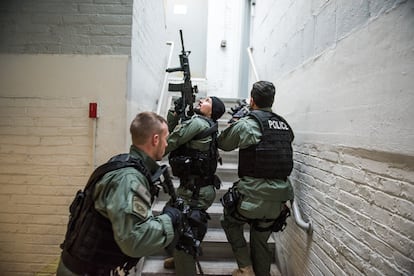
{"x": 272, "y": 156}
{"x": 89, "y": 246}
{"x": 185, "y": 161}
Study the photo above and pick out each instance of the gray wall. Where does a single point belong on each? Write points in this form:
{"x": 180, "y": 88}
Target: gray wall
{"x": 66, "y": 27}
{"x": 343, "y": 71}
{"x": 194, "y": 26}
{"x": 149, "y": 56}
{"x": 299, "y": 31}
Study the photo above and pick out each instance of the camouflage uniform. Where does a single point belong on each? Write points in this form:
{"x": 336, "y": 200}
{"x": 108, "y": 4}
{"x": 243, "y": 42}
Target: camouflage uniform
{"x": 261, "y": 199}
{"x": 183, "y": 134}
{"x": 123, "y": 197}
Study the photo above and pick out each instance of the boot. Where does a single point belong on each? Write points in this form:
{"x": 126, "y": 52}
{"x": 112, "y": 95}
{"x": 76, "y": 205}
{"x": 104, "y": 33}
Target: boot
{"x": 169, "y": 263}
{"x": 244, "y": 271}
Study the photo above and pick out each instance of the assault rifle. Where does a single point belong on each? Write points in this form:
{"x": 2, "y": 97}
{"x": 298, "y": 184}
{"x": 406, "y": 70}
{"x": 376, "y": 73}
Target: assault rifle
{"x": 187, "y": 241}
{"x": 184, "y": 106}
{"x": 240, "y": 110}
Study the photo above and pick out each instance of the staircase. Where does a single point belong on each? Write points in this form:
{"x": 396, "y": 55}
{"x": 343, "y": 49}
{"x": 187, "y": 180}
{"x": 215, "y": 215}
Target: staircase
{"x": 217, "y": 258}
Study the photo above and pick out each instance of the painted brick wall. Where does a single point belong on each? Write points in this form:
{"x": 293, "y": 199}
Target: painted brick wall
{"x": 66, "y": 27}
{"x": 45, "y": 152}
{"x": 344, "y": 78}
{"x": 149, "y": 56}
{"x": 301, "y": 30}
{"x": 360, "y": 203}
{"x": 48, "y": 145}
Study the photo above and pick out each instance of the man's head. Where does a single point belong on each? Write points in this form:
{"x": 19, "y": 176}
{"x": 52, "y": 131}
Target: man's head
{"x": 263, "y": 94}
{"x": 211, "y": 107}
{"x": 149, "y": 133}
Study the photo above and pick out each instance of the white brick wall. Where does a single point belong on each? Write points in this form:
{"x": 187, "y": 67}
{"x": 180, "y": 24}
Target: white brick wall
{"x": 359, "y": 222}
{"x": 149, "y": 57}
{"x": 47, "y": 151}
{"x": 344, "y": 77}
{"x": 45, "y": 156}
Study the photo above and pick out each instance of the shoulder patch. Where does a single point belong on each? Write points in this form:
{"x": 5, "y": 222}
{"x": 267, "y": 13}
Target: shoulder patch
{"x": 139, "y": 207}
{"x": 143, "y": 192}
{"x": 177, "y": 127}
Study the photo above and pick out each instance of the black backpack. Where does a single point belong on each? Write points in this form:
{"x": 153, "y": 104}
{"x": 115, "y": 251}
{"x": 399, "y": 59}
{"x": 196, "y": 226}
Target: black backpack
{"x": 80, "y": 202}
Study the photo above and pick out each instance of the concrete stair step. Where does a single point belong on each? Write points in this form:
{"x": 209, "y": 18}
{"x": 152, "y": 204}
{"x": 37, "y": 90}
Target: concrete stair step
{"x": 227, "y": 172}
{"x": 155, "y": 266}
{"x": 215, "y": 245}
{"x": 229, "y": 156}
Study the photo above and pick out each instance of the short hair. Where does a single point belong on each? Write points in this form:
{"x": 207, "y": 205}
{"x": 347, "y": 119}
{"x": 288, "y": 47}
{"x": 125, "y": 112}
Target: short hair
{"x": 144, "y": 125}
{"x": 263, "y": 93}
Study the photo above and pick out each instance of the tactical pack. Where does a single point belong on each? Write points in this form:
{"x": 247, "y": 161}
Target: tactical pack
{"x": 89, "y": 245}
{"x": 185, "y": 161}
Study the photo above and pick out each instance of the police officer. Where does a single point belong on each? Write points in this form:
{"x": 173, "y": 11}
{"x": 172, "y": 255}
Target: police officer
{"x": 265, "y": 162}
{"x": 193, "y": 158}
{"x": 118, "y": 228}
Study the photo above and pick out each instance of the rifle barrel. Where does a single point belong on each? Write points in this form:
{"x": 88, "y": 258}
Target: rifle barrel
{"x": 182, "y": 41}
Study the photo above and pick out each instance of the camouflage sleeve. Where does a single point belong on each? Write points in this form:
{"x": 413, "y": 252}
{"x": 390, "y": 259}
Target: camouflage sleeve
{"x": 172, "y": 120}
{"x": 241, "y": 134}
{"x": 184, "y": 132}
{"x": 124, "y": 199}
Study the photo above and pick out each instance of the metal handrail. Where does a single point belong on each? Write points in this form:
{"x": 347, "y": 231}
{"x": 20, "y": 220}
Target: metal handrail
{"x": 307, "y": 226}
{"x": 250, "y": 54}
{"x": 164, "y": 84}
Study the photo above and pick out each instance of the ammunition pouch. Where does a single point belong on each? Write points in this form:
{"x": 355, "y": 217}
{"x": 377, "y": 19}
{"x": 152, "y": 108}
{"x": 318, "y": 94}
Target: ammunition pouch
{"x": 180, "y": 165}
{"x": 193, "y": 163}
{"x": 216, "y": 182}
{"x": 280, "y": 223}
{"x": 230, "y": 199}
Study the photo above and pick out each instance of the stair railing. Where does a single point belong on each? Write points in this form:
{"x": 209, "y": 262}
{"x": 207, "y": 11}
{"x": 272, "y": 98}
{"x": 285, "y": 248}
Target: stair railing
{"x": 163, "y": 100}
{"x": 307, "y": 226}
{"x": 250, "y": 54}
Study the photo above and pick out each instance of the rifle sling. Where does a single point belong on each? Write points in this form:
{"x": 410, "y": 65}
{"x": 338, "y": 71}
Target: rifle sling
{"x": 207, "y": 132}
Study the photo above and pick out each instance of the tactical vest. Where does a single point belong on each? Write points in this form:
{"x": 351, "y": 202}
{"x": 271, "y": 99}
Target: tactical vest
{"x": 272, "y": 156}
{"x": 185, "y": 161}
{"x": 89, "y": 246}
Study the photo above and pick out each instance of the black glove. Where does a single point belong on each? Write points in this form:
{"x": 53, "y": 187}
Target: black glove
{"x": 176, "y": 216}
{"x": 178, "y": 105}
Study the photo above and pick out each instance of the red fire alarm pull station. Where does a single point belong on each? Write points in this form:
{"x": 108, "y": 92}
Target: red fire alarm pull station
{"x": 93, "y": 110}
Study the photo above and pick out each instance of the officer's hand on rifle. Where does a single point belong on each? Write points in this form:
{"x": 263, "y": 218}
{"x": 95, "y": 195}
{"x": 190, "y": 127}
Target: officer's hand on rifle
{"x": 176, "y": 216}
{"x": 177, "y": 221}
{"x": 178, "y": 104}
